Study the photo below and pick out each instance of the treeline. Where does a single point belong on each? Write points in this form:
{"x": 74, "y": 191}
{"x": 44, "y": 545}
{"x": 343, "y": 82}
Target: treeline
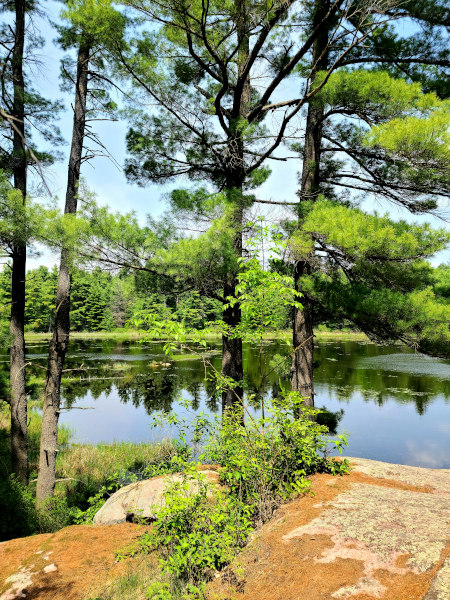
{"x": 101, "y": 301}
{"x": 105, "y": 301}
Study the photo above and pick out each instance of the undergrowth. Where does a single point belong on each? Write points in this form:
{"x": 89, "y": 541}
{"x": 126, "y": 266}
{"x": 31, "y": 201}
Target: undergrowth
{"x": 86, "y": 476}
{"x": 165, "y": 458}
{"x": 201, "y": 528}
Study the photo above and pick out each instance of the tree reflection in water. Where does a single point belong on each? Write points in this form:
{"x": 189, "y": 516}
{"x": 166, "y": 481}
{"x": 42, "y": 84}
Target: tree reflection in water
{"x": 344, "y": 368}
{"x": 395, "y": 402}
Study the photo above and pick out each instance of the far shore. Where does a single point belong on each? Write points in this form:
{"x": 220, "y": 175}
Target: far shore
{"x": 133, "y": 334}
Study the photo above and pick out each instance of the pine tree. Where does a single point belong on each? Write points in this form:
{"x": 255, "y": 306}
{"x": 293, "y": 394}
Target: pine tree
{"x": 394, "y": 162}
{"x": 91, "y": 29}
{"x": 223, "y": 63}
{"x": 21, "y": 110}
{"x": 40, "y": 292}
{"x": 97, "y": 302}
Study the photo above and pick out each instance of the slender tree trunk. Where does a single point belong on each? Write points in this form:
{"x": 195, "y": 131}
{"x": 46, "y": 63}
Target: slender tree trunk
{"x": 303, "y": 340}
{"x": 232, "y": 359}
{"x": 303, "y": 336}
{"x": 60, "y": 339}
{"x": 19, "y": 443}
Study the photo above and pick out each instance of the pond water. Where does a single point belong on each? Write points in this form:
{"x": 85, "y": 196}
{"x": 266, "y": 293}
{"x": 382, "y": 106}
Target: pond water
{"x": 396, "y": 404}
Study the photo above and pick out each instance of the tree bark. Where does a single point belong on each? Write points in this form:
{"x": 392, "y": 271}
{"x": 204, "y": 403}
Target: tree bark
{"x": 60, "y": 339}
{"x": 303, "y": 335}
{"x": 303, "y": 340}
{"x": 232, "y": 359}
{"x": 19, "y": 441}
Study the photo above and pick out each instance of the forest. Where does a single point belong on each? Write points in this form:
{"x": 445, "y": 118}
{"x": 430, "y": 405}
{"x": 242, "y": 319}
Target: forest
{"x": 104, "y": 301}
{"x": 218, "y": 99}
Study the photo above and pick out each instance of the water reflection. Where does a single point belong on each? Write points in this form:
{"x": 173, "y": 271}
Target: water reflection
{"x": 395, "y": 402}
{"x": 380, "y": 374}
{"x": 140, "y": 375}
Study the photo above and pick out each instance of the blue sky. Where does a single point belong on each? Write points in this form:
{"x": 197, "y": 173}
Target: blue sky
{"x": 108, "y": 181}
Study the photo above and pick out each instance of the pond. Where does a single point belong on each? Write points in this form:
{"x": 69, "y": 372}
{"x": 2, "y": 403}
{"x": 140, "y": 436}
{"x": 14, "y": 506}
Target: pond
{"x": 395, "y": 404}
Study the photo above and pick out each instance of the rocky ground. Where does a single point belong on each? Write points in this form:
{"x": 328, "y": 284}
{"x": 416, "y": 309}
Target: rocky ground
{"x": 380, "y": 532}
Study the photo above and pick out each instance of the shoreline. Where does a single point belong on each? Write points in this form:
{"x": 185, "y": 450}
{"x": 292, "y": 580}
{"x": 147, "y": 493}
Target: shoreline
{"x": 133, "y": 334}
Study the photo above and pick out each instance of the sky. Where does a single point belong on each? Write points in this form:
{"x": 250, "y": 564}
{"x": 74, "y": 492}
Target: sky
{"x": 107, "y": 179}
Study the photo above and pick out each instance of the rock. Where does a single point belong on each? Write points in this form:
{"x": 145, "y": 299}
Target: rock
{"x": 378, "y": 537}
{"x": 437, "y": 480}
{"x": 50, "y": 568}
{"x": 141, "y": 499}
{"x": 380, "y": 532}
{"x": 18, "y": 583}
{"x": 12, "y": 594}
{"x": 440, "y": 586}
{"x": 85, "y": 557}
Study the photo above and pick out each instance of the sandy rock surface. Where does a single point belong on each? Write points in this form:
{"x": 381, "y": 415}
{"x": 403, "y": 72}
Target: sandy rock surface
{"x": 437, "y": 480}
{"x": 64, "y": 565}
{"x": 380, "y": 532}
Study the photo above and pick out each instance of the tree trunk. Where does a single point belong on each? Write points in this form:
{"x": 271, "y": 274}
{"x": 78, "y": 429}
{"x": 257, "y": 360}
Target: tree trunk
{"x": 303, "y": 336}
{"x": 232, "y": 360}
{"x": 60, "y": 339}
{"x": 303, "y": 339}
{"x": 19, "y": 442}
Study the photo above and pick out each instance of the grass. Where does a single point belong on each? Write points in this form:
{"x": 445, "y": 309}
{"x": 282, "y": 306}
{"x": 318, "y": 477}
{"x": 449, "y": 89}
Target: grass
{"x": 119, "y": 334}
{"x": 34, "y": 437}
{"x": 81, "y": 470}
{"x": 337, "y": 334}
{"x": 93, "y": 465}
{"x": 132, "y": 334}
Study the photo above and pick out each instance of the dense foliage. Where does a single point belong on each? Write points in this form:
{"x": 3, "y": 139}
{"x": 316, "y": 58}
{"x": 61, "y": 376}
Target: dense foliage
{"x": 200, "y": 528}
{"x": 205, "y": 95}
{"x": 101, "y": 301}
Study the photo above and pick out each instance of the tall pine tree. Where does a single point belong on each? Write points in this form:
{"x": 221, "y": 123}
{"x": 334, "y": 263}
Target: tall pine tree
{"x": 404, "y": 160}
{"x": 212, "y": 72}
{"x": 22, "y": 109}
{"x": 92, "y": 29}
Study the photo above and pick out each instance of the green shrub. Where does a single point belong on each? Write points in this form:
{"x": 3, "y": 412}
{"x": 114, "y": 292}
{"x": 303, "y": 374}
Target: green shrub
{"x": 270, "y": 459}
{"x": 198, "y": 533}
{"x": 200, "y": 529}
{"x": 18, "y": 516}
{"x": 55, "y": 514}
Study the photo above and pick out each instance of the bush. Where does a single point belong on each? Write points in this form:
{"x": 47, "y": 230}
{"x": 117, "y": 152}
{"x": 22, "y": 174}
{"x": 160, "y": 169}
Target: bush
{"x": 18, "y": 516}
{"x": 198, "y": 533}
{"x": 263, "y": 464}
{"x": 55, "y": 514}
{"x": 269, "y": 460}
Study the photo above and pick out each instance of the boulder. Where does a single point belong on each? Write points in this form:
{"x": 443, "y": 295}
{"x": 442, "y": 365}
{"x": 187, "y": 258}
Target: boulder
{"x": 141, "y": 499}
